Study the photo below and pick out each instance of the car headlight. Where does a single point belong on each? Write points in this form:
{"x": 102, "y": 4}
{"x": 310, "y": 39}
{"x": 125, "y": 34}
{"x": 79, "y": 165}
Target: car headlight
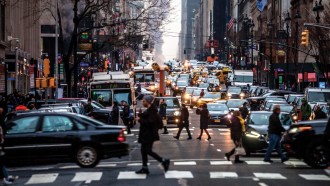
{"x": 177, "y": 113}
{"x": 253, "y": 134}
{"x": 299, "y": 129}
{"x": 186, "y": 96}
{"x": 152, "y": 87}
{"x": 241, "y": 94}
{"x": 229, "y": 94}
{"x": 295, "y": 117}
{"x": 229, "y": 116}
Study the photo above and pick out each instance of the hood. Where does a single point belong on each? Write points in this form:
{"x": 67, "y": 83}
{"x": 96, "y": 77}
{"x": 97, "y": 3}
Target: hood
{"x": 109, "y": 127}
{"x": 233, "y": 108}
{"x": 261, "y": 129}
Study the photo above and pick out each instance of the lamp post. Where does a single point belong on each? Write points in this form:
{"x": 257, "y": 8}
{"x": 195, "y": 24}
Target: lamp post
{"x": 271, "y": 71}
{"x": 296, "y": 18}
{"x": 287, "y": 20}
{"x": 318, "y": 8}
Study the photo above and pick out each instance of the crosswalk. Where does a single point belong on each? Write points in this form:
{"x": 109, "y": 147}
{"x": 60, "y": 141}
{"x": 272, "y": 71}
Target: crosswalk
{"x": 179, "y": 169}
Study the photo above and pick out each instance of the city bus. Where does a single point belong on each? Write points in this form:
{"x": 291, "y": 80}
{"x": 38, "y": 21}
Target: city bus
{"x": 146, "y": 78}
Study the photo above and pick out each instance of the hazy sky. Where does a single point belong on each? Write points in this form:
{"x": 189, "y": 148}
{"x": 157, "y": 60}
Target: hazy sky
{"x": 170, "y": 45}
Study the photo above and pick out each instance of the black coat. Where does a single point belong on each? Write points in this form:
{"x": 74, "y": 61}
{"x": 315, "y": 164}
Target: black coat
{"x": 235, "y": 129}
{"x": 319, "y": 114}
{"x": 115, "y": 115}
{"x": 204, "y": 119}
{"x": 162, "y": 110}
{"x": 148, "y": 126}
{"x": 275, "y": 125}
{"x": 184, "y": 117}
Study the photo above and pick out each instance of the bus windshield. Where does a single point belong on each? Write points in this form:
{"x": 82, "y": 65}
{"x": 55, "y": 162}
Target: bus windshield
{"x": 104, "y": 97}
{"x": 144, "y": 77}
{"x": 122, "y": 95}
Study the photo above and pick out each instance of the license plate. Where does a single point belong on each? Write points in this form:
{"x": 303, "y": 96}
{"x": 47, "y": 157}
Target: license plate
{"x": 217, "y": 120}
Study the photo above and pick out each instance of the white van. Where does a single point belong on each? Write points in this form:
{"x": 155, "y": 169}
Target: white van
{"x": 243, "y": 77}
{"x": 317, "y": 95}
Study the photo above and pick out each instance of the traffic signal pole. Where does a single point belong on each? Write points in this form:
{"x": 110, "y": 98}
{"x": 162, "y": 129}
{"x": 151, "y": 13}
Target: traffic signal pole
{"x": 56, "y": 51}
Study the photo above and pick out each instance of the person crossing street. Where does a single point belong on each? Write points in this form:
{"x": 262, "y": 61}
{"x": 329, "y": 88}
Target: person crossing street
{"x": 204, "y": 119}
{"x": 184, "y": 122}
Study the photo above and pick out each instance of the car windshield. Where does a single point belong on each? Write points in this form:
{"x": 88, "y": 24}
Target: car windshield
{"x": 318, "y": 96}
{"x": 190, "y": 90}
{"x": 104, "y": 97}
{"x": 275, "y": 99}
{"x": 182, "y": 83}
{"x": 212, "y": 95}
{"x": 263, "y": 118}
{"x": 286, "y": 108}
{"x": 120, "y": 95}
{"x": 235, "y": 103}
{"x": 269, "y": 103}
{"x": 203, "y": 85}
{"x": 235, "y": 90}
{"x": 197, "y": 92}
{"x": 248, "y": 79}
{"x": 172, "y": 102}
{"x": 219, "y": 107}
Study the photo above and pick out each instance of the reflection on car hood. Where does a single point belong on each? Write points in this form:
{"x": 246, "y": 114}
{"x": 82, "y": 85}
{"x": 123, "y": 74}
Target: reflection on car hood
{"x": 263, "y": 129}
{"x": 207, "y": 99}
{"x": 233, "y": 108}
{"x": 218, "y": 112}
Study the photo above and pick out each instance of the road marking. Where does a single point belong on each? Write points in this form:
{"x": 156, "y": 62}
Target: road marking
{"x": 219, "y": 150}
{"x": 129, "y": 134}
{"x": 295, "y": 163}
{"x": 42, "y": 178}
{"x": 255, "y": 179}
{"x": 107, "y": 165}
{"x": 224, "y": 130}
{"x": 221, "y": 163}
{"x": 262, "y": 184}
{"x": 315, "y": 177}
{"x": 87, "y": 177}
{"x": 257, "y": 163}
{"x": 185, "y": 163}
{"x": 172, "y": 129}
{"x": 178, "y": 174}
{"x": 130, "y": 175}
{"x": 209, "y": 129}
{"x": 214, "y": 175}
{"x": 212, "y": 144}
{"x": 269, "y": 176}
{"x": 135, "y": 130}
{"x": 224, "y": 134}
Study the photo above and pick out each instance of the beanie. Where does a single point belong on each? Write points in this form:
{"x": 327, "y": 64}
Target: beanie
{"x": 148, "y": 98}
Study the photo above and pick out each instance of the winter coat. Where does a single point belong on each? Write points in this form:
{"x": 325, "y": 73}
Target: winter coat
{"x": 275, "y": 125}
{"x": 306, "y": 111}
{"x": 162, "y": 110}
{"x": 319, "y": 114}
{"x": 115, "y": 115}
{"x": 204, "y": 118}
{"x": 236, "y": 129}
{"x": 184, "y": 117}
{"x": 148, "y": 126}
{"x": 244, "y": 111}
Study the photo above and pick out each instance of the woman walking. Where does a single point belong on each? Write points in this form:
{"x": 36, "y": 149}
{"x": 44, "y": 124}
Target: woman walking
{"x": 236, "y": 131}
{"x": 204, "y": 119}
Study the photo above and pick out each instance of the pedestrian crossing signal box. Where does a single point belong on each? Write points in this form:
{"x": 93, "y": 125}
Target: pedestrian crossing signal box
{"x": 45, "y": 83}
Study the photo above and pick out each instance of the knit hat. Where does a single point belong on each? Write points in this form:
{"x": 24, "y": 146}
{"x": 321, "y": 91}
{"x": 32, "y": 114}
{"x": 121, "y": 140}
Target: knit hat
{"x": 148, "y": 98}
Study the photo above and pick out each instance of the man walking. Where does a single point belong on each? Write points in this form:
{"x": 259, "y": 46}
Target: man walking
{"x": 244, "y": 110}
{"x": 275, "y": 130}
{"x": 184, "y": 122}
{"x": 306, "y": 110}
{"x": 162, "y": 113}
{"x": 148, "y": 134}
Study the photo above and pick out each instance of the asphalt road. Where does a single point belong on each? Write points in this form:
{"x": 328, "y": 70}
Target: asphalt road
{"x": 193, "y": 162}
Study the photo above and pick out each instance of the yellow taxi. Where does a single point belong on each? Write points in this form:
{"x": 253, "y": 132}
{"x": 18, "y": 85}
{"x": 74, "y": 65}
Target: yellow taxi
{"x": 211, "y": 97}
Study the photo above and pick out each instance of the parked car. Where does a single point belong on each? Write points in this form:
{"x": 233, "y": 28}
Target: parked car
{"x": 306, "y": 140}
{"x": 173, "y": 108}
{"x": 62, "y": 137}
{"x": 255, "y": 137}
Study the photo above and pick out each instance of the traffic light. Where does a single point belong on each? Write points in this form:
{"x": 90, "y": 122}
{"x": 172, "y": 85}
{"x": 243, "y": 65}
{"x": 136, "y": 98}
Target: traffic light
{"x": 52, "y": 82}
{"x": 44, "y": 83}
{"x": 46, "y": 67}
{"x": 305, "y": 38}
{"x": 37, "y": 83}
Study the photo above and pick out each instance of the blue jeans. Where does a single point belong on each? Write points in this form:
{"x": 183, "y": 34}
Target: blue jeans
{"x": 274, "y": 142}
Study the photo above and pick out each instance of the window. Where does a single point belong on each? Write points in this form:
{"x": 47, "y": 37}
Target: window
{"x": 125, "y": 95}
{"x": 23, "y": 125}
{"x": 57, "y": 124}
{"x": 104, "y": 97}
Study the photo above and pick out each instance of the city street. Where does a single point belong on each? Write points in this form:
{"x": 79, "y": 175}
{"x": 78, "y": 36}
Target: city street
{"x": 193, "y": 162}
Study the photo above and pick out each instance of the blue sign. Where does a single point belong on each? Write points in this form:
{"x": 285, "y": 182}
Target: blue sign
{"x": 261, "y": 4}
{"x": 84, "y": 64}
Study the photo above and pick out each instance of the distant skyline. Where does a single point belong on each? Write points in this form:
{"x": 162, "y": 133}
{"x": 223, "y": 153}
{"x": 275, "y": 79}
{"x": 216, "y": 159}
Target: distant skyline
{"x": 171, "y": 33}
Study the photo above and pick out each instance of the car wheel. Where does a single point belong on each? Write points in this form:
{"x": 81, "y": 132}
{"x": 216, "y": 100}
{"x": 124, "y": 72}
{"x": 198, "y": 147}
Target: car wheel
{"x": 87, "y": 156}
{"x": 317, "y": 156}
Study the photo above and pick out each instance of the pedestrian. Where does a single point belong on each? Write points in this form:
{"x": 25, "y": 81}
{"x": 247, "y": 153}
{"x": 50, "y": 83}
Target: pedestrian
{"x": 88, "y": 108}
{"x": 157, "y": 94}
{"x": 204, "y": 119}
{"x": 162, "y": 113}
{"x": 202, "y": 93}
{"x": 125, "y": 116}
{"x": 306, "y": 110}
{"x": 115, "y": 114}
{"x": 319, "y": 114}
{"x": 148, "y": 134}
{"x": 184, "y": 122}
{"x": 275, "y": 130}
{"x": 244, "y": 110}
{"x": 236, "y": 131}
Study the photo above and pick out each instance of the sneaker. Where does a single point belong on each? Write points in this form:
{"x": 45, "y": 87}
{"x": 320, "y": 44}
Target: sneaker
{"x": 166, "y": 164}
{"x": 189, "y": 138}
{"x": 269, "y": 161}
{"x": 176, "y": 137}
{"x": 227, "y": 157}
{"x": 142, "y": 171}
{"x": 284, "y": 160}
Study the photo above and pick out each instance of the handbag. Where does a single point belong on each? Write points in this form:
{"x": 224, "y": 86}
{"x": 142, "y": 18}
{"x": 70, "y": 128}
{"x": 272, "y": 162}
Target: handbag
{"x": 164, "y": 120}
{"x": 240, "y": 151}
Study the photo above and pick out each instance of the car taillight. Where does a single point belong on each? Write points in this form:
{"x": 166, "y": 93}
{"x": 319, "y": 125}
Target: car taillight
{"x": 121, "y": 137}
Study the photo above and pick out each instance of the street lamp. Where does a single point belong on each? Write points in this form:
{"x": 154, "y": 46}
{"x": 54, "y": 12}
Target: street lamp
{"x": 296, "y": 18}
{"x": 271, "y": 71}
{"x": 318, "y": 8}
{"x": 287, "y": 20}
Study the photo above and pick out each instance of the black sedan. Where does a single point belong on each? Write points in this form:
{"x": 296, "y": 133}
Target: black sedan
{"x": 218, "y": 113}
{"x": 62, "y": 137}
{"x": 255, "y": 137}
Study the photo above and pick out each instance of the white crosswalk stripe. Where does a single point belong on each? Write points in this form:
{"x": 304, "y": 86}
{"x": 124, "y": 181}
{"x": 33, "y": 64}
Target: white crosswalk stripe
{"x": 223, "y": 175}
{"x": 178, "y": 174}
{"x": 87, "y": 177}
{"x": 316, "y": 177}
{"x": 295, "y": 163}
{"x": 221, "y": 163}
{"x": 269, "y": 176}
{"x": 257, "y": 163}
{"x": 185, "y": 163}
{"x": 130, "y": 175}
{"x": 42, "y": 178}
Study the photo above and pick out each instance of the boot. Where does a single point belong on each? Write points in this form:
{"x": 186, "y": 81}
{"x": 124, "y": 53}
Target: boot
{"x": 165, "y": 130}
{"x": 199, "y": 138}
{"x": 144, "y": 170}
{"x": 237, "y": 160}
